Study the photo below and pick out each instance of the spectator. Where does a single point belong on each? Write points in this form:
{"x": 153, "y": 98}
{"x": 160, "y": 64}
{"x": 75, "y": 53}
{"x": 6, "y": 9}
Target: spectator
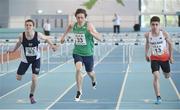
{"x": 116, "y": 23}
{"x": 47, "y": 28}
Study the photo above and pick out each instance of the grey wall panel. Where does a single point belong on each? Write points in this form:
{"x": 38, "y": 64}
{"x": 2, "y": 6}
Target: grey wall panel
{"x": 4, "y": 13}
{"x": 22, "y": 7}
{"x": 102, "y": 7}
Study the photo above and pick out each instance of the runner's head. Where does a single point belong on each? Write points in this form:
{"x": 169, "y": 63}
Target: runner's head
{"x": 80, "y": 15}
{"x": 29, "y": 25}
{"x": 155, "y": 23}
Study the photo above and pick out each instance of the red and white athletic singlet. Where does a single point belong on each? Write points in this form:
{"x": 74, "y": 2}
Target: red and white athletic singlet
{"x": 158, "y": 47}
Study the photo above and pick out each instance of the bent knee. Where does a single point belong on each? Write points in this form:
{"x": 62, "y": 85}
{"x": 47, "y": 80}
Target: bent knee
{"x": 167, "y": 75}
{"x": 18, "y": 77}
{"x": 78, "y": 71}
{"x": 34, "y": 77}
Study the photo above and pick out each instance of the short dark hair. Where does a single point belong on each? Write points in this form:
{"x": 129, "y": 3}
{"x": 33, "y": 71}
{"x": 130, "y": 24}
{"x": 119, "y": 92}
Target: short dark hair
{"x": 155, "y": 18}
{"x": 30, "y": 20}
{"x": 80, "y": 10}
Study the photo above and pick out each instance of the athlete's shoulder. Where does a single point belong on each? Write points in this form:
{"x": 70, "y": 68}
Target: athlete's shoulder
{"x": 165, "y": 34}
{"x": 39, "y": 34}
{"x": 20, "y": 36}
{"x": 71, "y": 24}
{"x": 89, "y": 23}
{"x": 146, "y": 35}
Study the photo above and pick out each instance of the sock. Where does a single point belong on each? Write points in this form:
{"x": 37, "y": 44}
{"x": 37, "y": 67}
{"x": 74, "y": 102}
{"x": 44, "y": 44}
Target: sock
{"x": 30, "y": 95}
{"x": 159, "y": 97}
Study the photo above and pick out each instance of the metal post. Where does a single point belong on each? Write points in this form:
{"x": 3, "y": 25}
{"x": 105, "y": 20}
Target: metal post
{"x": 98, "y": 51}
{"x": 2, "y": 62}
{"x": 7, "y": 57}
{"x": 66, "y": 48}
{"x": 42, "y": 53}
{"x": 61, "y": 49}
{"x": 123, "y": 54}
{"x": 48, "y": 60}
{"x": 164, "y": 12}
{"x": 129, "y": 53}
{"x": 126, "y": 53}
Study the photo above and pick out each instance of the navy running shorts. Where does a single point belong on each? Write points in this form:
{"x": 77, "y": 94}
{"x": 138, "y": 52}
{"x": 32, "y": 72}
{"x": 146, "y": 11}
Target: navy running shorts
{"x": 88, "y": 61}
{"x": 24, "y": 66}
{"x": 165, "y": 66}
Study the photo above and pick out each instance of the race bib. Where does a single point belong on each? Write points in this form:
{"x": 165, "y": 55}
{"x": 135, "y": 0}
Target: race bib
{"x": 80, "y": 39}
{"x": 157, "y": 50}
{"x": 31, "y": 51}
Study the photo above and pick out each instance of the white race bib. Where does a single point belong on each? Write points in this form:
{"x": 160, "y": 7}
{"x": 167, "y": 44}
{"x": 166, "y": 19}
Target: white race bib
{"x": 157, "y": 50}
{"x": 80, "y": 39}
{"x": 31, "y": 51}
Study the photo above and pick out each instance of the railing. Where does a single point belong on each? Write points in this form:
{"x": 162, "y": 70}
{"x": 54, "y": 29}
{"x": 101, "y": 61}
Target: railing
{"x": 50, "y": 59}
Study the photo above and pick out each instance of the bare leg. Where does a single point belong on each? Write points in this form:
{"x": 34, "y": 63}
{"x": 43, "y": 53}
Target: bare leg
{"x": 156, "y": 83}
{"x": 33, "y": 88}
{"x": 33, "y": 84}
{"x": 79, "y": 78}
{"x": 92, "y": 76}
{"x": 18, "y": 77}
{"x": 167, "y": 75}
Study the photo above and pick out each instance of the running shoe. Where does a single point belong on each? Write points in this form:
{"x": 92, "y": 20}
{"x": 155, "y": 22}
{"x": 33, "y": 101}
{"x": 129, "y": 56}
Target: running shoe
{"x": 94, "y": 84}
{"x": 78, "y": 96}
{"x": 32, "y": 100}
{"x": 158, "y": 101}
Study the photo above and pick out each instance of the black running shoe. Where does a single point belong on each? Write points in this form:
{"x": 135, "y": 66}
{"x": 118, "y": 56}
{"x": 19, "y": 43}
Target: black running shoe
{"x": 78, "y": 96}
{"x": 94, "y": 85}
